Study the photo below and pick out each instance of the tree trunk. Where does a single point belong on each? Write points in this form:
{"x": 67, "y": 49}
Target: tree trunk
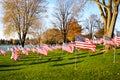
{"x": 107, "y": 48}
{"x": 22, "y": 40}
{"x": 109, "y": 13}
{"x": 65, "y": 38}
{"x": 23, "y": 44}
{"x": 110, "y": 32}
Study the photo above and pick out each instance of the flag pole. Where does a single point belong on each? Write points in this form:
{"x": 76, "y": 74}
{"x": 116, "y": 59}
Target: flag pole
{"x": 75, "y": 55}
{"x": 61, "y": 56}
{"x": 75, "y": 60}
{"x": 104, "y": 46}
{"x": 114, "y": 54}
{"x": 115, "y": 47}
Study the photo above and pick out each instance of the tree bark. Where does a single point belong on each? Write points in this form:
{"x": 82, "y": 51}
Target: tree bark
{"x": 23, "y": 44}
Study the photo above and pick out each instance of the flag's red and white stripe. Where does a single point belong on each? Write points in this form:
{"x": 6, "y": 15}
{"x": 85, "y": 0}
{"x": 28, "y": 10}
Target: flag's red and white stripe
{"x": 108, "y": 41}
{"x": 15, "y": 55}
{"x": 2, "y": 52}
{"x": 47, "y": 47}
{"x": 25, "y": 51}
{"x": 97, "y": 41}
{"x": 42, "y": 51}
{"x": 85, "y": 45}
{"x": 68, "y": 47}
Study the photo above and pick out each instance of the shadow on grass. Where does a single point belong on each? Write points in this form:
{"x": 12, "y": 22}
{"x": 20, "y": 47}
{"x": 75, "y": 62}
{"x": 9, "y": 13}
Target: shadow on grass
{"x": 97, "y": 54}
{"x": 77, "y": 57}
{"x": 28, "y": 59}
{"x": 11, "y": 69}
{"x": 83, "y": 53}
{"x": 39, "y": 62}
{"x": 62, "y": 64}
{"x": 10, "y": 65}
{"x": 59, "y": 58}
{"x": 118, "y": 54}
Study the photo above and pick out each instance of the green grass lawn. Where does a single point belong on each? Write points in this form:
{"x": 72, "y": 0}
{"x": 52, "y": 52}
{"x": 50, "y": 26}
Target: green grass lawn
{"x": 60, "y": 65}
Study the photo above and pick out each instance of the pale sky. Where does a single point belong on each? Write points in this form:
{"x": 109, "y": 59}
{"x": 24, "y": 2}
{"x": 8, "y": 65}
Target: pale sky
{"x": 1, "y": 25}
{"x": 90, "y": 9}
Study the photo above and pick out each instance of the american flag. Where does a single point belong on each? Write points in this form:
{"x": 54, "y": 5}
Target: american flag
{"x": 10, "y": 49}
{"x": 34, "y": 49}
{"x": 108, "y": 41}
{"x": 55, "y": 47}
{"x": 45, "y": 46}
{"x": 25, "y": 51}
{"x": 42, "y": 51}
{"x": 84, "y": 43}
{"x": 68, "y": 47}
{"x": 118, "y": 37}
{"x": 2, "y": 52}
{"x": 15, "y": 55}
{"x": 97, "y": 41}
{"x": 118, "y": 33}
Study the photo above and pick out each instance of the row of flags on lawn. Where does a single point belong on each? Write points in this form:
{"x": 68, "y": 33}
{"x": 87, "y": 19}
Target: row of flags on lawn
{"x": 80, "y": 43}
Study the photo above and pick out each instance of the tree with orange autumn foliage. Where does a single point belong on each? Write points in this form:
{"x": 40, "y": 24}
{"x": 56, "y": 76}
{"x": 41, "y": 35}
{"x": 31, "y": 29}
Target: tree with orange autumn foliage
{"x": 52, "y": 36}
{"x": 64, "y": 11}
{"x": 73, "y": 29}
